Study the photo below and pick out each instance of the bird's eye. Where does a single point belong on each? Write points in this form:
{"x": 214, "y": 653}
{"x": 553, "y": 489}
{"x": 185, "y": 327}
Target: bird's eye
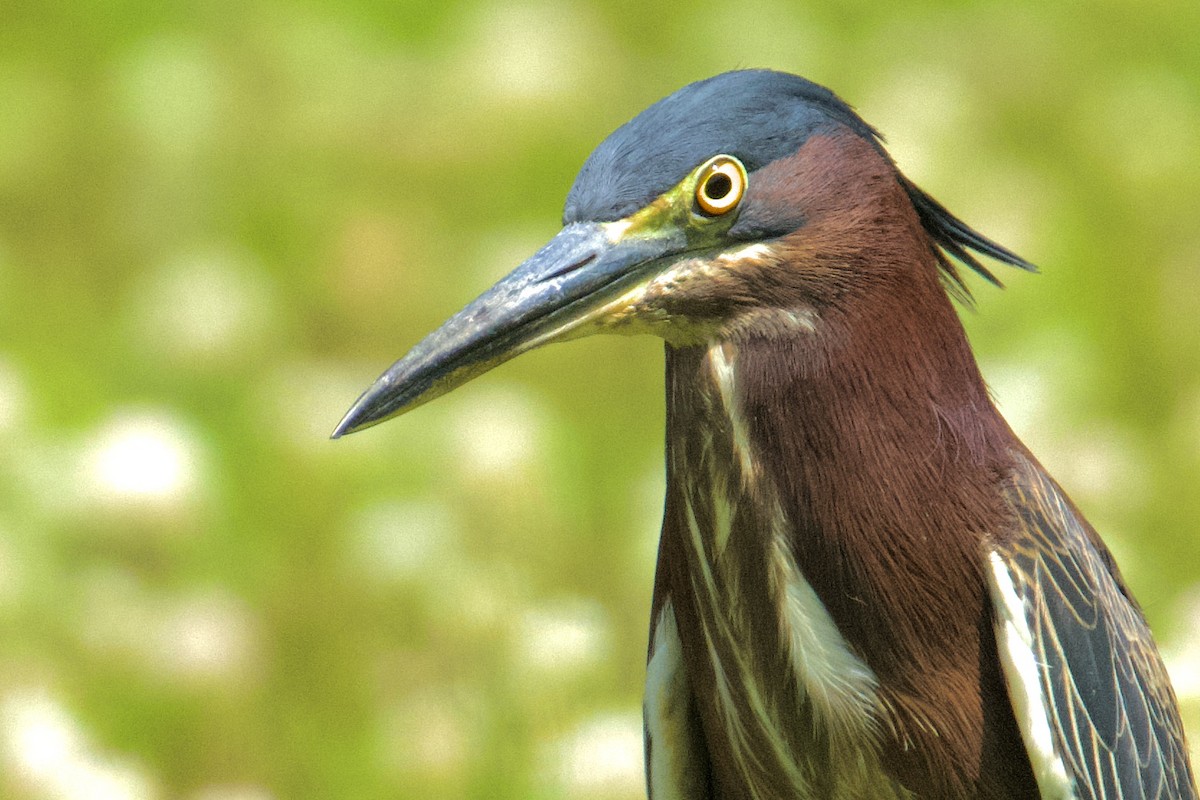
{"x": 721, "y": 186}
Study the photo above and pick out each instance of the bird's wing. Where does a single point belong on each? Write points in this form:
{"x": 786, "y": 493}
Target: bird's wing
{"x": 1090, "y": 692}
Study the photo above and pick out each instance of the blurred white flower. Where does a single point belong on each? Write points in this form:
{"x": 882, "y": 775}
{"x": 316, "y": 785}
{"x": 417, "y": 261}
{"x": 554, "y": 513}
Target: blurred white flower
{"x": 142, "y": 457}
{"x": 602, "y": 757}
{"x": 527, "y": 51}
{"x": 401, "y": 540}
{"x": 208, "y": 636}
{"x": 204, "y": 307}
{"x": 202, "y": 636}
{"x": 498, "y": 434}
{"x": 428, "y": 734}
{"x": 46, "y": 750}
{"x": 561, "y": 639}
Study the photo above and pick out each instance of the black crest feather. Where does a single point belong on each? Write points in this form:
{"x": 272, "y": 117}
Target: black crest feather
{"x": 954, "y": 238}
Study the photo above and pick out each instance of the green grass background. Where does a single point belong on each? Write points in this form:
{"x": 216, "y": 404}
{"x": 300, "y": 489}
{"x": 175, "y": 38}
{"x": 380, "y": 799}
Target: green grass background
{"x": 220, "y": 221}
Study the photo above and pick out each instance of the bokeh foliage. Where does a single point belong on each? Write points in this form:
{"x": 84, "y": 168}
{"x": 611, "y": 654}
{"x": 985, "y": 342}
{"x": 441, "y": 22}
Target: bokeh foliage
{"x": 219, "y": 221}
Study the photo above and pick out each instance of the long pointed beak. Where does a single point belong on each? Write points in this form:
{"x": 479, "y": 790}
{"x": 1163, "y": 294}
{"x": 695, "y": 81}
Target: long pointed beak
{"x": 552, "y": 296}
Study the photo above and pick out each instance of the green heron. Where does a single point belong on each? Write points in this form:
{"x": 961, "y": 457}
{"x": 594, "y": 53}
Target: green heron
{"x": 867, "y": 587}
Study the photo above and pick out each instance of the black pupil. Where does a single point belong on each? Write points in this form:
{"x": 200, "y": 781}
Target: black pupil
{"x": 717, "y": 186}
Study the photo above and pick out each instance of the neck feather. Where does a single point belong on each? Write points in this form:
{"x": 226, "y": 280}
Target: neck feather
{"x": 886, "y": 456}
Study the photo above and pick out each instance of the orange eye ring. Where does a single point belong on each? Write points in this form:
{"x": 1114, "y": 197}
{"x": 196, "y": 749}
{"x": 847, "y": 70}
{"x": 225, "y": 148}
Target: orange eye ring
{"x": 721, "y": 186}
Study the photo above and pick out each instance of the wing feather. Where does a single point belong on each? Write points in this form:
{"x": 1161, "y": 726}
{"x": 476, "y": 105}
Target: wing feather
{"x": 1100, "y": 681}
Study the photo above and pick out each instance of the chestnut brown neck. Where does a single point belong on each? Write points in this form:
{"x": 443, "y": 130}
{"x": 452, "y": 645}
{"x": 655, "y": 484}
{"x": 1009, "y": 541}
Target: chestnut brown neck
{"x": 887, "y": 457}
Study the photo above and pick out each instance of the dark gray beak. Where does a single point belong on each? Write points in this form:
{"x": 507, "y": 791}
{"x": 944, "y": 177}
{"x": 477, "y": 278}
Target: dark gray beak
{"x": 557, "y": 294}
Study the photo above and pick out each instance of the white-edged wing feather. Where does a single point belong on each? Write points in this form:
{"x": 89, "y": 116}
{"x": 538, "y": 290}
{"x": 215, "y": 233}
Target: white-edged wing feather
{"x": 1089, "y": 690}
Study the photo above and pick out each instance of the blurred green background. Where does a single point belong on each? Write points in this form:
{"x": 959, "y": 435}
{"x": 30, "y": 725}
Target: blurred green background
{"x": 220, "y": 221}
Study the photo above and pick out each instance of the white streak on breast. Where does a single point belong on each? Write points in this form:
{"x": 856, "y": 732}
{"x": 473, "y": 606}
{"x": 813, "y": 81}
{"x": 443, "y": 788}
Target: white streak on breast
{"x": 723, "y": 511}
{"x": 720, "y": 359}
{"x": 842, "y": 688}
{"x": 1022, "y": 674}
{"x": 676, "y": 766}
{"x": 748, "y": 759}
{"x": 710, "y": 584}
{"x": 734, "y": 716}
{"x": 841, "y": 691}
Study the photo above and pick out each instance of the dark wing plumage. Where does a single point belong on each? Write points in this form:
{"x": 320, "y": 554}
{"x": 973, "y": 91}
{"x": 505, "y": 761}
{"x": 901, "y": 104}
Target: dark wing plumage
{"x": 1113, "y": 718}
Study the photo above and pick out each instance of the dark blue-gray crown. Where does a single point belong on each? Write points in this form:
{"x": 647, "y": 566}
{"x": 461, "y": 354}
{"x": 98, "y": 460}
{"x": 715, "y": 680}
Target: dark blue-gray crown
{"x": 757, "y": 115}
